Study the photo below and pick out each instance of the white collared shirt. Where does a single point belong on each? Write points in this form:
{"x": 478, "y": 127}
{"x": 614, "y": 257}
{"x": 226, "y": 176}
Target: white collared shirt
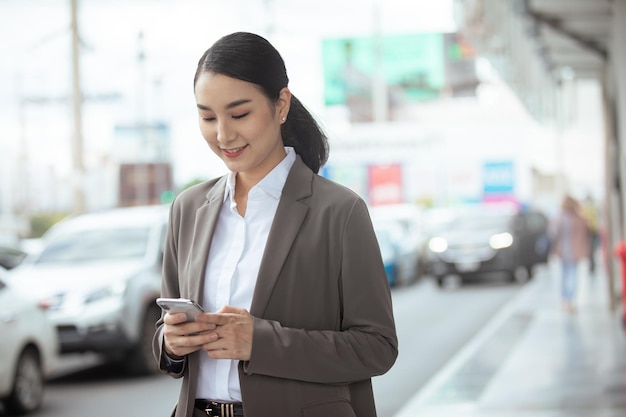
{"x": 233, "y": 265}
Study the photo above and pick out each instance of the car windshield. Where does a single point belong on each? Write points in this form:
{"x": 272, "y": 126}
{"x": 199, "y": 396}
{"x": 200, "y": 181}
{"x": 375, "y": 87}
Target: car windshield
{"x": 476, "y": 221}
{"x": 91, "y": 245}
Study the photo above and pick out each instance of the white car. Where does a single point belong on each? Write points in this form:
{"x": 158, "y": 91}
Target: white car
{"x": 28, "y": 350}
{"x": 99, "y": 275}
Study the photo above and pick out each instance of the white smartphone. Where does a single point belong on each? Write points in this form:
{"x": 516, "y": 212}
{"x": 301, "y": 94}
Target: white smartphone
{"x": 180, "y": 305}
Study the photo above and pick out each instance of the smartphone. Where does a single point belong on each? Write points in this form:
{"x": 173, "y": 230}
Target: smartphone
{"x": 180, "y": 305}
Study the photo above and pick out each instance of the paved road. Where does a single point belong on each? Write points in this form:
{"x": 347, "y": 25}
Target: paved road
{"x": 433, "y": 324}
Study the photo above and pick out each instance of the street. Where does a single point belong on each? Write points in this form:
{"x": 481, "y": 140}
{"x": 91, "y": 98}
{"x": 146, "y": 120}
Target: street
{"x": 432, "y": 323}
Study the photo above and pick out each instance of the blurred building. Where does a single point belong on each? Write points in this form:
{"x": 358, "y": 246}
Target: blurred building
{"x": 451, "y": 151}
{"x": 450, "y": 129}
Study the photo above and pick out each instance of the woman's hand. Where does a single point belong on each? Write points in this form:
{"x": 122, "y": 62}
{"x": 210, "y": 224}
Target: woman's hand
{"x": 182, "y": 337}
{"x": 234, "y": 333}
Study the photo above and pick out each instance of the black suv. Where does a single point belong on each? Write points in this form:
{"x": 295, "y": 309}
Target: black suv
{"x": 480, "y": 241}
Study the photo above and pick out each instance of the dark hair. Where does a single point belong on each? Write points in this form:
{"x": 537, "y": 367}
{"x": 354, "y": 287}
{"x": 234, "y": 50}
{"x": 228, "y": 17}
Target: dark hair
{"x": 249, "y": 57}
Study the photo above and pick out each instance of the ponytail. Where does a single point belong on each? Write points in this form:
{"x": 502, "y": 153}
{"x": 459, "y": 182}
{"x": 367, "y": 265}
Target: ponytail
{"x": 304, "y": 134}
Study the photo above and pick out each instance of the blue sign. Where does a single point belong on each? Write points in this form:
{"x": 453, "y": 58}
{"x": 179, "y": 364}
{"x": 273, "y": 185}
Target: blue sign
{"x": 498, "y": 177}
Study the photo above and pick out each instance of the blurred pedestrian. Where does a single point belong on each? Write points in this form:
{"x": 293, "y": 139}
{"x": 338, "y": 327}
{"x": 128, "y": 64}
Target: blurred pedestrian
{"x": 571, "y": 245}
{"x": 591, "y": 213}
{"x": 285, "y": 262}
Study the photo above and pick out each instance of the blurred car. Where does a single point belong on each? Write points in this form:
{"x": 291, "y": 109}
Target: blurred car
{"x": 389, "y": 253}
{"x": 485, "y": 240}
{"x": 28, "y": 348}
{"x": 11, "y": 257}
{"x": 99, "y": 275}
{"x": 401, "y": 222}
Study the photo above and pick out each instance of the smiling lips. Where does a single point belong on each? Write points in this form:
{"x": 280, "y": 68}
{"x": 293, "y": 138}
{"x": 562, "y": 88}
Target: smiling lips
{"x": 234, "y": 152}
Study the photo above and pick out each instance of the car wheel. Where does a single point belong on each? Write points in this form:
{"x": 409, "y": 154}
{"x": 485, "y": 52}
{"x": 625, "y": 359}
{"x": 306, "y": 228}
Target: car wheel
{"x": 400, "y": 278}
{"x": 141, "y": 360}
{"x": 28, "y": 385}
{"x": 520, "y": 274}
{"x": 440, "y": 281}
{"x": 422, "y": 270}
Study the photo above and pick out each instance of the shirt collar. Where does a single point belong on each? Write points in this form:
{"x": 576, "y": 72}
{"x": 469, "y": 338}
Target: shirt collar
{"x": 272, "y": 183}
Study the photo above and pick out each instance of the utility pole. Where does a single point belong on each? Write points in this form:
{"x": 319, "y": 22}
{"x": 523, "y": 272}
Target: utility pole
{"x": 77, "y": 102}
{"x": 142, "y": 173}
{"x": 380, "y": 102}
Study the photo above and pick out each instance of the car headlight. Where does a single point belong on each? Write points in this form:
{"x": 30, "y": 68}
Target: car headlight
{"x": 53, "y": 302}
{"x": 501, "y": 240}
{"x": 115, "y": 290}
{"x": 438, "y": 244}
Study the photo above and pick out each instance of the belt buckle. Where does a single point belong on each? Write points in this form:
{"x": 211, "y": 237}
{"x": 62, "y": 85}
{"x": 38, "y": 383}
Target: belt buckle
{"x": 207, "y": 409}
{"x": 225, "y": 410}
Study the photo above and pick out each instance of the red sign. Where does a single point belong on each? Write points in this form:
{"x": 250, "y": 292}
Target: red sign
{"x": 385, "y": 184}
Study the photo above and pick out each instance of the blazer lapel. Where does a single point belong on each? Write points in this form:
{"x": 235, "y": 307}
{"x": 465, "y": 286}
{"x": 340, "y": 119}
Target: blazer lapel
{"x": 289, "y": 217}
{"x": 206, "y": 219}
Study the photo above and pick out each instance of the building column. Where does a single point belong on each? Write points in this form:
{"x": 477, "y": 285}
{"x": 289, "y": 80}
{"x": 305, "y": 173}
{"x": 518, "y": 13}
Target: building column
{"x": 618, "y": 61}
{"x": 618, "y": 109}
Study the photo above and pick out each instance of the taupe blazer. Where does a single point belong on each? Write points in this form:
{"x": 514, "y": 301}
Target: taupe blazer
{"x": 323, "y": 319}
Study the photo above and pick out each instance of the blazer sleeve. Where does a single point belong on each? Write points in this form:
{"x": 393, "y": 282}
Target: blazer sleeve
{"x": 169, "y": 288}
{"x": 365, "y": 345}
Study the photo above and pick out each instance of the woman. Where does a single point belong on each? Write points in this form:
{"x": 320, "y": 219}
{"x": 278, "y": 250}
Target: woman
{"x": 571, "y": 245}
{"x": 285, "y": 262}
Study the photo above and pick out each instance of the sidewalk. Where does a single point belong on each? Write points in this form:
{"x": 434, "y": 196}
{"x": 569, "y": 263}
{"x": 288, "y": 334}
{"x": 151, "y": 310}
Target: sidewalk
{"x": 535, "y": 360}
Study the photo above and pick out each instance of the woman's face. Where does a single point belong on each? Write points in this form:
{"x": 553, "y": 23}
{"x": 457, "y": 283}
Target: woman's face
{"x": 240, "y": 124}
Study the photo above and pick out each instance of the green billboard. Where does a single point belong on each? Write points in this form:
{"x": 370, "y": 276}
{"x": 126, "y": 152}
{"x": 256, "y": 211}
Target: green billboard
{"x": 412, "y": 67}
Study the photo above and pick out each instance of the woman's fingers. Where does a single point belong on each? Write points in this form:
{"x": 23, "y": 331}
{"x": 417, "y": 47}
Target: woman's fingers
{"x": 182, "y": 337}
{"x": 234, "y": 330}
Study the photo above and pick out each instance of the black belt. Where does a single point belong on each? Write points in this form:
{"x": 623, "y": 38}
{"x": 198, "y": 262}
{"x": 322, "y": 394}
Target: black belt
{"x": 215, "y": 409}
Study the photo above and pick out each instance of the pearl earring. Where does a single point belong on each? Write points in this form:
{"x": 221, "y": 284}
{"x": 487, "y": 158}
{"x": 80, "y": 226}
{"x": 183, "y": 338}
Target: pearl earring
{"x": 284, "y": 118}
